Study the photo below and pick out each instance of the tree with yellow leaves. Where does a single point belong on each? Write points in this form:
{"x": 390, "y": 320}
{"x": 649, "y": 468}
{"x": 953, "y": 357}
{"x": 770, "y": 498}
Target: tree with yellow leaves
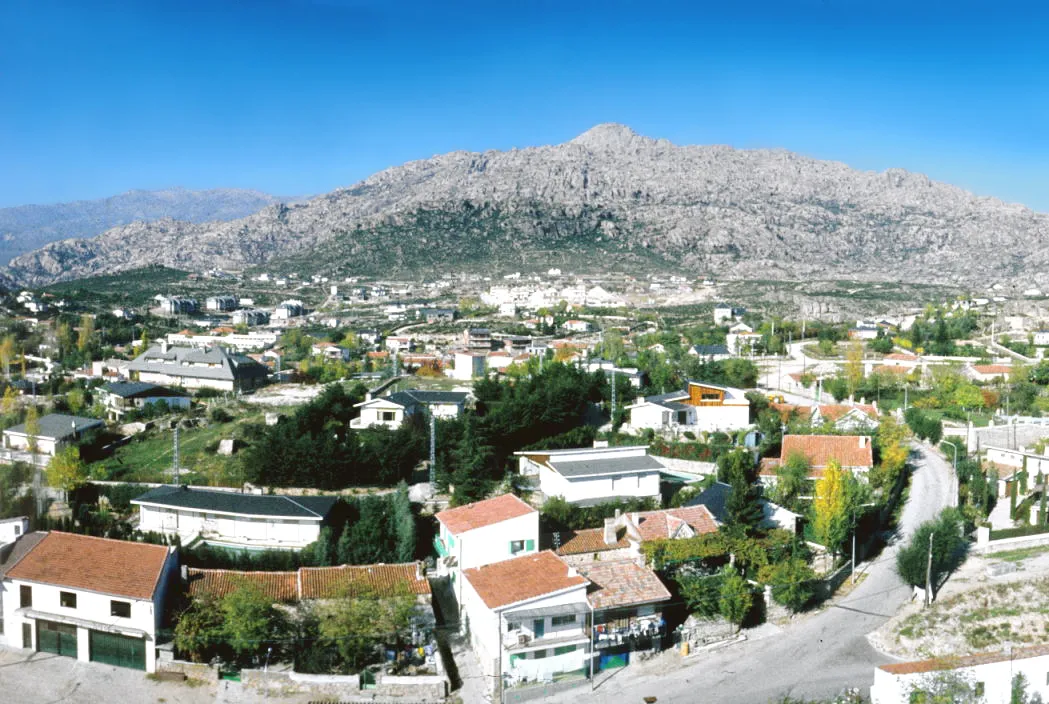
{"x": 892, "y": 437}
{"x": 87, "y": 331}
{"x": 8, "y": 349}
{"x": 830, "y": 519}
{"x": 10, "y": 403}
{"x": 32, "y": 427}
{"x": 854, "y": 365}
{"x": 66, "y": 471}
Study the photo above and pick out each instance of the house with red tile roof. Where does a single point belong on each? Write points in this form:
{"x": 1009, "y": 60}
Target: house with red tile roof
{"x": 627, "y": 601}
{"x": 484, "y": 532}
{"x": 88, "y": 598}
{"x": 854, "y": 453}
{"x": 622, "y": 535}
{"x": 988, "y": 372}
{"x": 315, "y": 583}
{"x": 847, "y": 417}
{"x": 527, "y": 617}
{"x": 991, "y": 674}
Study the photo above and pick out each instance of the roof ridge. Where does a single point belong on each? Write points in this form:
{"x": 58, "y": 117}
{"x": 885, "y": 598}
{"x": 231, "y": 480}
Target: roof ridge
{"x": 307, "y": 510}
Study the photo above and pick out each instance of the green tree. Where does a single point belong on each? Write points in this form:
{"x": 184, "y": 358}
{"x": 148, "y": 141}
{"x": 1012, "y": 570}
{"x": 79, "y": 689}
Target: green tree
{"x": 791, "y": 479}
{"x": 8, "y": 349}
{"x": 792, "y": 583}
{"x": 198, "y": 629}
{"x": 945, "y": 687}
{"x": 743, "y": 505}
{"x": 10, "y": 402}
{"x": 701, "y": 593}
{"x": 735, "y": 598}
{"x": 77, "y": 400}
{"x": 86, "y": 333}
{"x": 66, "y": 471}
{"x": 948, "y": 549}
{"x": 32, "y": 428}
{"x": 250, "y": 622}
{"x": 854, "y": 365}
{"x": 356, "y": 624}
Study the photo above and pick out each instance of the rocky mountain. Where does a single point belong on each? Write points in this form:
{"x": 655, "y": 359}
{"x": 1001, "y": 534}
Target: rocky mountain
{"x": 27, "y": 227}
{"x": 609, "y": 198}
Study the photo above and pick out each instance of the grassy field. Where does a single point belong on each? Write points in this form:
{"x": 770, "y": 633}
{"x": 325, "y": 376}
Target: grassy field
{"x": 148, "y": 457}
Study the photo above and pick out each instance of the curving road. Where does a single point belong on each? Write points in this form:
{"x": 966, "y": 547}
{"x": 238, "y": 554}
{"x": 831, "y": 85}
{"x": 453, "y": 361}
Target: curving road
{"x": 817, "y": 657}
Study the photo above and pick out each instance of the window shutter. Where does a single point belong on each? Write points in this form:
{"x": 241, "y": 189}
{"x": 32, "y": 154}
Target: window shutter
{"x": 510, "y": 547}
{"x": 529, "y": 545}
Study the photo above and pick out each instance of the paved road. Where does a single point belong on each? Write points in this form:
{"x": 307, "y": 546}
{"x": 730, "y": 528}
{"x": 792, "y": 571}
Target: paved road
{"x": 816, "y": 657}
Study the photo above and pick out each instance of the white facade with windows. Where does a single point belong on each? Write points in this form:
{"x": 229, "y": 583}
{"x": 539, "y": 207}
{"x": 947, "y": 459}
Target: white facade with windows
{"x": 589, "y": 475}
{"x": 988, "y": 675}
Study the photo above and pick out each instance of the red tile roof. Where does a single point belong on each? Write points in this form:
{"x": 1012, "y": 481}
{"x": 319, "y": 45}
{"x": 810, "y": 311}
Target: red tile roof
{"x": 902, "y": 357}
{"x": 620, "y": 583}
{"x": 353, "y": 580}
{"x": 483, "y": 513}
{"x": 986, "y": 369}
{"x": 314, "y": 582}
{"x": 528, "y": 577}
{"x": 785, "y": 409}
{"x": 834, "y": 411}
{"x": 848, "y": 450}
{"x": 956, "y": 661}
{"x": 580, "y": 542}
{"x": 891, "y": 369}
{"x": 657, "y": 525}
{"x": 277, "y": 586}
{"x": 116, "y": 567}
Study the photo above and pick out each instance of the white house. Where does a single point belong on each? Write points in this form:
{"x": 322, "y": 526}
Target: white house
{"x": 57, "y": 430}
{"x": 700, "y": 407}
{"x": 123, "y": 396}
{"x": 593, "y": 474}
{"x": 1041, "y": 338}
{"x": 741, "y": 339}
{"x": 232, "y": 518}
{"x": 528, "y": 618}
{"x": 392, "y": 410}
{"x": 89, "y": 598}
{"x": 330, "y": 351}
{"x": 710, "y": 353}
{"x": 724, "y": 312}
{"x": 990, "y": 675}
{"x": 468, "y": 366}
{"x": 484, "y": 532}
{"x": 576, "y": 326}
{"x": 221, "y": 303}
{"x": 11, "y": 529}
{"x": 1010, "y": 461}
{"x": 197, "y": 368}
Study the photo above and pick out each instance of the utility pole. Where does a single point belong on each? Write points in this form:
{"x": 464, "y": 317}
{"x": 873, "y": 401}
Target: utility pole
{"x": 928, "y": 573}
{"x": 433, "y": 449}
{"x": 175, "y": 454}
{"x": 613, "y": 395}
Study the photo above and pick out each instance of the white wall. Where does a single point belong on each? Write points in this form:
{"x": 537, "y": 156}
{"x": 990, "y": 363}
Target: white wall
{"x": 185, "y": 381}
{"x": 697, "y": 418}
{"x": 1014, "y": 458}
{"x": 372, "y": 415}
{"x": 996, "y": 678}
{"x": 13, "y": 528}
{"x": 641, "y": 484}
{"x": 90, "y": 606}
{"x": 272, "y": 532}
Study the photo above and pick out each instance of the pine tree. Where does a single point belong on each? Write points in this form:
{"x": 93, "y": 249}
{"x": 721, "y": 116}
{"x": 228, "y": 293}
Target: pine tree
{"x": 744, "y": 502}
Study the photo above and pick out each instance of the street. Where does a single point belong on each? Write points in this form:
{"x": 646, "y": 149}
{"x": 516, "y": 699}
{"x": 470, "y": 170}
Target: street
{"x": 820, "y": 655}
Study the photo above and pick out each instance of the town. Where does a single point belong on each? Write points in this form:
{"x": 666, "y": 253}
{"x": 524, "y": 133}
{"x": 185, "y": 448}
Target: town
{"x": 535, "y": 486}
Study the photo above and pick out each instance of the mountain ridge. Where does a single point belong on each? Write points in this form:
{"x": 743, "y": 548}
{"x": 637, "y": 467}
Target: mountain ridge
{"x": 708, "y": 210}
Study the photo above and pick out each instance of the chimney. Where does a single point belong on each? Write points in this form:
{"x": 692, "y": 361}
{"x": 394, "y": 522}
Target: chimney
{"x": 185, "y": 573}
{"x": 863, "y": 441}
{"x": 419, "y": 573}
{"x": 610, "y": 529}
{"x": 163, "y": 345}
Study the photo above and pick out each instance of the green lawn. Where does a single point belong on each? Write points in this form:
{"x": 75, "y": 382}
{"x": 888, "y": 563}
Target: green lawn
{"x": 1018, "y": 555}
{"x": 148, "y": 457}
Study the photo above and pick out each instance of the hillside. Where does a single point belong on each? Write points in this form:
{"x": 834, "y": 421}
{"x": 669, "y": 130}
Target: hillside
{"x": 28, "y": 227}
{"x": 608, "y": 198}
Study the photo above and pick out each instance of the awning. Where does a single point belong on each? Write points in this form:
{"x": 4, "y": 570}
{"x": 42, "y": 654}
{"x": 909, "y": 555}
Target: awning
{"x": 83, "y": 623}
{"x": 558, "y": 610}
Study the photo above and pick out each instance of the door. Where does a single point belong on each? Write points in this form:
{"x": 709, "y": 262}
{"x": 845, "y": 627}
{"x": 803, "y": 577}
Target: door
{"x": 114, "y": 649}
{"x": 57, "y": 638}
{"x": 539, "y": 627}
{"x": 27, "y": 635}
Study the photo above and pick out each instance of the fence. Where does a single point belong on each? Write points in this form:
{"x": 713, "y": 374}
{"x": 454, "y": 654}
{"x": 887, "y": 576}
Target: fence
{"x": 987, "y": 541}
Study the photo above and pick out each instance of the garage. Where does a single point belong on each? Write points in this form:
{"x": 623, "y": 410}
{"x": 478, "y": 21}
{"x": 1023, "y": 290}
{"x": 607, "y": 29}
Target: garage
{"x": 115, "y": 649}
{"x": 57, "y": 638}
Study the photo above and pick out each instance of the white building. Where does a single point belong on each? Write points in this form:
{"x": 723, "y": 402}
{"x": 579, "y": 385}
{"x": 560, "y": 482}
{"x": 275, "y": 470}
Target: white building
{"x": 57, "y": 430}
{"x": 242, "y": 342}
{"x": 88, "y": 598}
{"x": 576, "y": 326}
{"x": 989, "y": 675}
{"x": 482, "y": 533}
{"x": 391, "y": 411}
{"x": 11, "y": 529}
{"x": 698, "y": 408}
{"x": 232, "y": 518}
{"x": 1041, "y": 338}
{"x": 528, "y": 618}
{"x": 221, "y": 303}
{"x": 593, "y": 474}
{"x": 330, "y": 351}
{"x": 193, "y": 368}
{"x": 741, "y": 339}
{"x": 468, "y": 366}
{"x": 123, "y": 396}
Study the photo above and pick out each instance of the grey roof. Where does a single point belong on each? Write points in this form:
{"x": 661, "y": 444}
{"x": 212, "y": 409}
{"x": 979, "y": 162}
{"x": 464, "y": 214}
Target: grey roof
{"x": 243, "y": 504}
{"x": 191, "y": 362}
{"x": 664, "y": 400}
{"x": 59, "y": 426}
{"x": 618, "y": 465}
{"x": 11, "y": 554}
{"x": 715, "y": 498}
{"x": 413, "y": 396}
{"x": 134, "y": 389}
{"x": 709, "y": 350}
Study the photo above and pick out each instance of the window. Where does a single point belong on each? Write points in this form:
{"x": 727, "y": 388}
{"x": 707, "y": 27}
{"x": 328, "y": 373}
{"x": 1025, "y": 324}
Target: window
{"x": 562, "y": 620}
{"x": 67, "y": 599}
{"x": 387, "y": 415}
{"x": 511, "y": 626}
{"x": 25, "y": 595}
{"x": 120, "y": 608}
{"x": 18, "y": 530}
{"x": 538, "y": 654}
{"x": 517, "y": 546}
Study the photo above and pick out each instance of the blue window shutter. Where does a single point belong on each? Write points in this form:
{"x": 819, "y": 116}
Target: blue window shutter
{"x": 529, "y": 545}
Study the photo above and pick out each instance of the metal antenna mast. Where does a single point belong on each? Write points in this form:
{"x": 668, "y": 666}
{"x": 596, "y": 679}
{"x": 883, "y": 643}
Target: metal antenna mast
{"x": 176, "y": 458}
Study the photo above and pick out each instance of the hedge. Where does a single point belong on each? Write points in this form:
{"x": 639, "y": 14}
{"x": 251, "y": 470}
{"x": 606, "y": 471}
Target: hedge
{"x": 1018, "y": 532}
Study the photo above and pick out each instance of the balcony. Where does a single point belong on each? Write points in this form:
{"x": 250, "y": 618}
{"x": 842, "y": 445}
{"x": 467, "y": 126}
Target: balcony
{"x": 440, "y": 547}
{"x": 516, "y": 641}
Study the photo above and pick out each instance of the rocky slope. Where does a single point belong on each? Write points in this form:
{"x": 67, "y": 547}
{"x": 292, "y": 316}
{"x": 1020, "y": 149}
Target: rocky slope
{"x": 708, "y": 210}
{"x": 28, "y": 227}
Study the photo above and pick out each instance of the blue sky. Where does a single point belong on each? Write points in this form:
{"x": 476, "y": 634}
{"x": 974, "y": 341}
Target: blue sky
{"x": 302, "y": 96}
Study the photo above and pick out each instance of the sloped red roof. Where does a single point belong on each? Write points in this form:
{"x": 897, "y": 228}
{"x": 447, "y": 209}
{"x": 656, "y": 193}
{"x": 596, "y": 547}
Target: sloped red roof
{"x": 657, "y": 525}
{"x": 834, "y": 411}
{"x": 986, "y": 369}
{"x": 277, "y": 586}
{"x": 954, "y": 662}
{"x": 590, "y": 540}
{"x": 353, "y": 580}
{"x": 521, "y": 578}
{"x": 483, "y": 513}
{"x": 621, "y": 583}
{"x": 848, "y": 450}
{"x": 117, "y": 567}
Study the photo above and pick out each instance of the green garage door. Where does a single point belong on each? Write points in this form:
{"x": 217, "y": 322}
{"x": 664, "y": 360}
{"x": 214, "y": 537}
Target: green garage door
{"x": 57, "y": 638}
{"x": 118, "y": 650}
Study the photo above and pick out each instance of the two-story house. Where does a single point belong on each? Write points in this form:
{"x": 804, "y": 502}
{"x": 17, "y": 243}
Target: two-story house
{"x": 92, "y": 599}
{"x": 482, "y": 533}
{"x": 700, "y": 407}
{"x": 853, "y": 453}
{"x": 122, "y": 396}
{"x": 393, "y": 410}
{"x": 527, "y": 618}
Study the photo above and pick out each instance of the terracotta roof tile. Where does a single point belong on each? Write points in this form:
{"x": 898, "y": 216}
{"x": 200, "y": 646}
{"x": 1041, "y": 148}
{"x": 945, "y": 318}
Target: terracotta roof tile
{"x": 986, "y": 369}
{"x": 899, "y": 356}
{"x": 891, "y": 369}
{"x": 587, "y": 540}
{"x": 848, "y": 450}
{"x": 352, "y": 580}
{"x": 656, "y": 525}
{"x": 278, "y": 586}
{"x": 834, "y": 411}
{"x": 619, "y": 583}
{"x": 956, "y": 661}
{"x": 115, "y": 567}
{"x": 786, "y": 409}
{"x": 483, "y": 513}
{"x": 522, "y": 578}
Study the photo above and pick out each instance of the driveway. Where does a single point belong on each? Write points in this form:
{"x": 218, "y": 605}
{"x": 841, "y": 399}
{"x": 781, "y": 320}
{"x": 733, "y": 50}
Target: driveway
{"x": 819, "y": 655}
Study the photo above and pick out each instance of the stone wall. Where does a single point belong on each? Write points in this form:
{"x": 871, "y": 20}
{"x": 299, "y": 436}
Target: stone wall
{"x": 985, "y": 545}
{"x": 414, "y": 688}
